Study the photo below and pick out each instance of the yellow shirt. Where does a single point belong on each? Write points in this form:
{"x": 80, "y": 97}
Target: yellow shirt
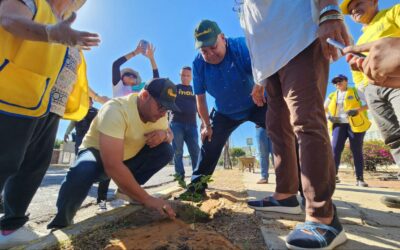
{"x": 119, "y": 118}
{"x": 385, "y": 24}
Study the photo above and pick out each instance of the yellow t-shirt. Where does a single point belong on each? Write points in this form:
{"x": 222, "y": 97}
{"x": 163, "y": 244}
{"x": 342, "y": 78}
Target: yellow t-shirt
{"x": 119, "y": 118}
{"x": 385, "y": 24}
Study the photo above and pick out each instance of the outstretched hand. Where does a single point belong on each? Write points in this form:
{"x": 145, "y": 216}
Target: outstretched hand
{"x": 64, "y": 34}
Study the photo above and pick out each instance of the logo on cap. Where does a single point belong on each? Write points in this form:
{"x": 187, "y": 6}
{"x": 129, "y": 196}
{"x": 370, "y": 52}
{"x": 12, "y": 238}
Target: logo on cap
{"x": 171, "y": 93}
{"x": 209, "y": 30}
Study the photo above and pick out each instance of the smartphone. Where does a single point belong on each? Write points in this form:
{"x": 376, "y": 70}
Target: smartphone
{"x": 144, "y": 44}
{"x": 341, "y": 46}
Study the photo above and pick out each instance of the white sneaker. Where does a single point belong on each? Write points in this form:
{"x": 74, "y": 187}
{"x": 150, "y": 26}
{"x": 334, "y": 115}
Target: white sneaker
{"x": 361, "y": 183}
{"x": 102, "y": 207}
{"x": 122, "y": 196}
{"x": 19, "y": 237}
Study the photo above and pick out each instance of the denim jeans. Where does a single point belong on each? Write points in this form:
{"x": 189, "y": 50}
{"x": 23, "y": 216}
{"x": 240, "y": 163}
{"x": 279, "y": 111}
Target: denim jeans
{"x": 88, "y": 169}
{"x": 103, "y": 185}
{"x": 340, "y": 133}
{"x": 26, "y": 148}
{"x": 222, "y": 127}
{"x": 184, "y": 133}
{"x": 265, "y": 149}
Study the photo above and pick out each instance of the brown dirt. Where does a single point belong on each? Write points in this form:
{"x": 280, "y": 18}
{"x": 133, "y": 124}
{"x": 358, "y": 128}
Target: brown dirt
{"x": 222, "y": 221}
{"x": 168, "y": 235}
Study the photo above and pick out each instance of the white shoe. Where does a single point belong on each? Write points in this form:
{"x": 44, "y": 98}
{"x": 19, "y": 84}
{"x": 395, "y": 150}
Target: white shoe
{"x": 102, "y": 207}
{"x": 19, "y": 237}
{"x": 361, "y": 183}
{"x": 122, "y": 196}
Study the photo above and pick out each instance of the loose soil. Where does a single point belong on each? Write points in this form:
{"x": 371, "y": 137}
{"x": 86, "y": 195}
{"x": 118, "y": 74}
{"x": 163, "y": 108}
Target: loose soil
{"x": 222, "y": 221}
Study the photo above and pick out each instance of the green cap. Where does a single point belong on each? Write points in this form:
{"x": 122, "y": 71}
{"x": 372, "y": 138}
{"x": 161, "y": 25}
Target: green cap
{"x": 206, "y": 33}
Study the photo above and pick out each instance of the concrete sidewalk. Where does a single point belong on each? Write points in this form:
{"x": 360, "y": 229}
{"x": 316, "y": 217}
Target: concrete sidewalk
{"x": 368, "y": 223}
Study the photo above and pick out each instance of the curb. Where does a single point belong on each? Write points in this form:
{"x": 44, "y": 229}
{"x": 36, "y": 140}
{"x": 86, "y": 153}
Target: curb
{"x": 55, "y": 238}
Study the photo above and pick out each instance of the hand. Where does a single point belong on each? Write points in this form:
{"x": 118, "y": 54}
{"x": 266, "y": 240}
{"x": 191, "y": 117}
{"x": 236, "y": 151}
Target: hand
{"x": 161, "y": 206}
{"x": 155, "y": 138}
{"x": 66, "y": 138}
{"x": 352, "y": 112}
{"x": 149, "y": 53}
{"x": 138, "y": 49}
{"x": 64, "y": 34}
{"x": 381, "y": 61}
{"x": 336, "y": 30}
{"x": 258, "y": 95}
{"x": 355, "y": 62}
{"x": 206, "y": 132}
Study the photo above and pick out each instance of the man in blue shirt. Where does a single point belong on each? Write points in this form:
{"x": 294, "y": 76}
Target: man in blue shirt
{"x": 223, "y": 70}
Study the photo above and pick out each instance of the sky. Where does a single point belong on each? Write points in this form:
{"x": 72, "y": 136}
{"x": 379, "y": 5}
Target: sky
{"x": 169, "y": 25}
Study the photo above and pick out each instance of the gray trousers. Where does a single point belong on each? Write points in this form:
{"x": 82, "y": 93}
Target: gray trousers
{"x": 384, "y": 106}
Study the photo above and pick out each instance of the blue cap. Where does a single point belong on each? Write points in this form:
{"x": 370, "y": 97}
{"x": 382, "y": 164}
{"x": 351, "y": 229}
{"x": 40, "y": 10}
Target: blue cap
{"x": 339, "y": 78}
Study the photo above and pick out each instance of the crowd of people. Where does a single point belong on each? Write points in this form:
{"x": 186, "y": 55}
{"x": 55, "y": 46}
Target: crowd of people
{"x": 146, "y": 123}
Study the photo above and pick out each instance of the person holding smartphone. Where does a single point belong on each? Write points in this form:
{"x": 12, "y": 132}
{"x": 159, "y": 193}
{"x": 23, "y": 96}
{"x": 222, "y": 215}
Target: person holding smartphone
{"x": 347, "y": 119}
{"x": 382, "y": 64}
{"x": 127, "y": 80}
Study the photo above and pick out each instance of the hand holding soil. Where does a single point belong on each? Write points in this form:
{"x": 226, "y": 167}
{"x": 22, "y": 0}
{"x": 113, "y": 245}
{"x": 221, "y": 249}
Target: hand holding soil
{"x": 162, "y": 206}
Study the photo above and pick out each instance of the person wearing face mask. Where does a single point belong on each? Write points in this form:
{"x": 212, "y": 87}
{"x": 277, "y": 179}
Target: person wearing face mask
{"x": 127, "y": 80}
{"x": 222, "y": 68}
{"x": 42, "y": 79}
{"x": 347, "y": 119}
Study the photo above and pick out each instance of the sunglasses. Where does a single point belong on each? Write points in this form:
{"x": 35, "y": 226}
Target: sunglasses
{"x": 130, "y": 75}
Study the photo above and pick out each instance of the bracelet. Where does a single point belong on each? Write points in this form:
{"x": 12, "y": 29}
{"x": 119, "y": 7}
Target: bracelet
{"x": 330, "y": 7}
{"x": 331, "y": 17}
{"x": 166, "y": 135}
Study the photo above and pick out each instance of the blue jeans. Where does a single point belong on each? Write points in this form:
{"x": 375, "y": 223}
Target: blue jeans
{"x": 26, "y": 147}
{"x": 340, "y": 133}
{"x": 222, "y": 127}
{"x": 265, "y": 149}
{"x": 103, "y": 185}
{"x": 184, "y": 133}
{"x": 88, "y": 169}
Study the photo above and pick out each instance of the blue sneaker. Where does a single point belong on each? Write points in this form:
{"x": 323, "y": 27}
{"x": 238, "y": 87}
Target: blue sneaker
{"x": 288, "y": 206}
{"x": 311, "y": 235}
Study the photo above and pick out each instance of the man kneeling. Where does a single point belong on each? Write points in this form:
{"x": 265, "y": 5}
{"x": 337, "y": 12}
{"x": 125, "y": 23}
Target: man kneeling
{"x": 128, "y": 141}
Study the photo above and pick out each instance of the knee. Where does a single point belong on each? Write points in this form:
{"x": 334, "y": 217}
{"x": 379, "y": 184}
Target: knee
{"x": 178, "y": 152}
{"x": 165, "y": 152}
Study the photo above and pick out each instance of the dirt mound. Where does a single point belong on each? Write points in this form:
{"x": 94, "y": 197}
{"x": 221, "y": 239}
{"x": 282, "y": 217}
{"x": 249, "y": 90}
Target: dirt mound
{"x": 168, "y": 235}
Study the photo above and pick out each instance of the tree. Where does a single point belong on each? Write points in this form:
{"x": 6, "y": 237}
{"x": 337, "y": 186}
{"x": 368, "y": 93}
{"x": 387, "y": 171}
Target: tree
{"x": 236, "y": 153}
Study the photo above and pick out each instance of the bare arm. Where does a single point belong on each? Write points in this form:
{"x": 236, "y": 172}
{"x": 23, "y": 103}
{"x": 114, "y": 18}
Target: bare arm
{"x": 96, "y": 97}
{"x": 16, "y": 18}
{"x": 150, "y": 54}
{"x": 206, "y": 128}
{"x": 111, "y": 152}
